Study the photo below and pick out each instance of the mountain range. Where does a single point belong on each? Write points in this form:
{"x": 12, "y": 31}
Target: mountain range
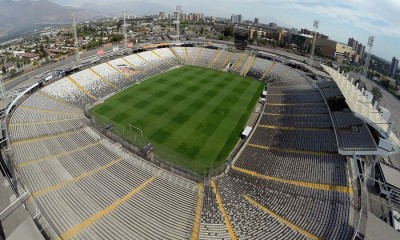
{"x": 132, "y": 7}
{"x": 19, "y": 16}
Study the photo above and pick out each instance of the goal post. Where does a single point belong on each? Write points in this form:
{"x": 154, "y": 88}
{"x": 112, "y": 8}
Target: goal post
{"x": 137, "y": 128}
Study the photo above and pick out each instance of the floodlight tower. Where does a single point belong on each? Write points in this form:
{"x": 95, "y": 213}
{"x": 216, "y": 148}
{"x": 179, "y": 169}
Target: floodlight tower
{"x": 369, "y": 44}
{"x": 177, "y": 21}
{"x": 2, "y": 90}
{"x": 3, "y": 124}
{"x": 125, "y": 34}
{"x": 73, "y": 16}
{"x": 316, "y": 24}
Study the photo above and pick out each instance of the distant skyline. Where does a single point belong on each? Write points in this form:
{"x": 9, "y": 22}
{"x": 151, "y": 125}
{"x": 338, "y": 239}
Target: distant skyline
{"x": 339, "y": 20}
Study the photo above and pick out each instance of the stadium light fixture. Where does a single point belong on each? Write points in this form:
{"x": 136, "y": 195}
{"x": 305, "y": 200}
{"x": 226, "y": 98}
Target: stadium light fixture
{"x": 315, "y": 25}
{"x": 125, "y": 30}
{"x": 370, "y": 44}
{"x": 73, "y": 16}
{"x": 177, "y": 21}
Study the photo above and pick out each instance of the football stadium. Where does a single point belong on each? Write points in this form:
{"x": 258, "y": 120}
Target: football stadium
{"x": 175, "y": 142}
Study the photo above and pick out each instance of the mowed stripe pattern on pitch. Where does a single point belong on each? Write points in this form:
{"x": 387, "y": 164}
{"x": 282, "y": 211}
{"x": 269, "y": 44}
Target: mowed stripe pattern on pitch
{"x": 195, "y": 111}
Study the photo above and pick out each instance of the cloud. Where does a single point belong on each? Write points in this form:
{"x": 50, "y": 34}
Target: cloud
{"x": 377, "y": 17}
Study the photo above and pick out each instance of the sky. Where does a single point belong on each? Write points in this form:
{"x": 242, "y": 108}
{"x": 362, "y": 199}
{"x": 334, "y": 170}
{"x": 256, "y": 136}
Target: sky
{"x": 337, "y": 18}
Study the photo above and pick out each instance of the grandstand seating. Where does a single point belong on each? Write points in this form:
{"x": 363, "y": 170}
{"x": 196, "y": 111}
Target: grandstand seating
{"x": 259, "y": 67}
{"x": 65, "y": 90}
{"x": 112, "y": 76}
{"x": 298, "y": 121}
{"x": 180, "y": 53}
{"x": 323, "y": 213}
{"x": 285, "y": 75}
{"x": 287, "y": 145}
{"x": 150, "y": 58}
{"x": 303, "y": 140}
{"x": 212, "y": 224}
{"x": 346, "y": 120}
{"x": 75, "y": 172}
{"x": 284, "y": 89}
{"x": 193, "y": 53}
{"x": 93, "y": 83}
{"x": 238, "y": 60}
{"x": 296, "y": 109}
{"x": 222, "y": 60}
{"x": 167, "y": 55}
{"x": 352, "y": 133}
{"x": 90, "y": 188}
{"x": 168, "y": 208}
{"x": 141, "y": 64}
{"x": 311, "y": 97}
{"x": 360, "y": 139}
{"x": 316, "y": 168}
{"x": 205, "y": 57}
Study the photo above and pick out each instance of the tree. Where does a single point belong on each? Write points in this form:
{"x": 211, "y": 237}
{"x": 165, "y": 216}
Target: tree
{"x": 255, "y": 35}
{"x": 376, "y": 91}
{"x": 385, "y": 83}
{"x": 116, "y": 37}
{"x": 345, "y": 68}
{"x": 228, "y": 31}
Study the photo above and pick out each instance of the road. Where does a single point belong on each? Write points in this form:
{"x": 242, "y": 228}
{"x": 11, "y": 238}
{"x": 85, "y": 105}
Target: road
{"x": 66, "y": 63}
{"x": 388, "y": 100}
{"x": 391, "y": 103}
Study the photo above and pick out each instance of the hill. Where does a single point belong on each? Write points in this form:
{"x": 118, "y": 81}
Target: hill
{"x": 133, "y": 7}
{"x": 18, "y": 15}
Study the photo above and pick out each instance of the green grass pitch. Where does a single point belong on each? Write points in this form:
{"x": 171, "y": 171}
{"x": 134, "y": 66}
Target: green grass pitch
{"x": 196, "y": 112}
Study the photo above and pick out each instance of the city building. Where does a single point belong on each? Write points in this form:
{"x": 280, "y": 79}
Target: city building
{"x": 358, "y": 49}
{"x": 241, "y": 38}
{"x": 311, "y": 33}
{"x": 272, "y": 25}
{"x": 255, "y": 21}
{"x": 393, "y": 67}
{"x": 16, "y": 52}
{"x": 240, "y": 18}
{"x": 7, "y": 66}
{"x": 28, "y": 56}
{"x": 236, "y": 18}
{"x": 183, "y": 17}
{"x": 339, "y": 51}
{"x": 162, "y": 15}
{"x": 299, "y": 41}
{"x": 353, "y": 43}
{"x": 233, "y": 18}
{"x": 202, "y": 16}
{"x": 263, "y": 31}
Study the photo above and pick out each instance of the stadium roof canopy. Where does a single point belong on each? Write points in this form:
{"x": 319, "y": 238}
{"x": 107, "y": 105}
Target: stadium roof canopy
{"x": 363, "y": 108}
{"x": 391, "y": 175}
{"x": 379, "y": 230}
